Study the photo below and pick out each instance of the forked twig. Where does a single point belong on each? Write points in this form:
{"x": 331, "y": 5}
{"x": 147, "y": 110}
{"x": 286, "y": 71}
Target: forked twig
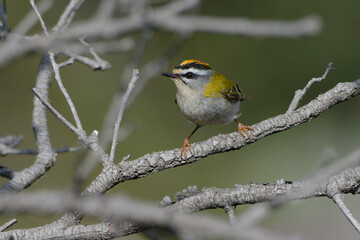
{"x": 131, "y": 86}
{"x": 54, "y": 111}
{"x": 299, "y": 94}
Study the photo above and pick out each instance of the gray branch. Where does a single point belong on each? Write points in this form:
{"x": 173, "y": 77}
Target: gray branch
{"x": 159, "y": 161}
{"x": 167, "y": 18}
{"x": 299, "y": 94}
{"x": 143, "y": 216}
{"x": 339, "y": 200}
{"x": 46, "y": 157}
{"x": 119, "y": 210}
{"x": 8, "y": 224}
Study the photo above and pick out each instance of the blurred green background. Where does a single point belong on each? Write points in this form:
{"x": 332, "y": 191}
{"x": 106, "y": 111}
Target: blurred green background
{"x": 269, "y": 70}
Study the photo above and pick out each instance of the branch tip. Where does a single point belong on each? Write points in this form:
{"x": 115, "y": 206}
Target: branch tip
{"x": 339, "y": 200}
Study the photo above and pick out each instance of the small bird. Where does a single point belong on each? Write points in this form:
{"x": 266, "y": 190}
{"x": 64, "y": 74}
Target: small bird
{"x": 206, "y": 97}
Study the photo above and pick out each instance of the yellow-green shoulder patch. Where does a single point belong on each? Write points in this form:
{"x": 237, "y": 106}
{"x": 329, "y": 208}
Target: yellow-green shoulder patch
{"x": 217, "y": 85}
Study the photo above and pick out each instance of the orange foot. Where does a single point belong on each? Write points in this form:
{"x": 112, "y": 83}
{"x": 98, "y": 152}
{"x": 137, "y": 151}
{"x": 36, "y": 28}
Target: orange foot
{"x": 243, "y": 130}
{"x": 186, "y": 146}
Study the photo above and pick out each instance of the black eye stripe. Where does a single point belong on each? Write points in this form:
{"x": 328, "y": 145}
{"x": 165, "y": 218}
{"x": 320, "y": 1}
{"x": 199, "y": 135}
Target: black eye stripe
{"x": 188, "y": 75}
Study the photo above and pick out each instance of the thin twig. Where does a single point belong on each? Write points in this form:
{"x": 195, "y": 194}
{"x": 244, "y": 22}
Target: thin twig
{"x": 31, "y": 18}
{"x": 300, "y": 93}
{"x": 6, "y": 172}
{"x": 231, "y": 212}
{"x": 54, "y": 111}
{"x": 64, "y": 91}
{"x": 4, "y": 29}
{"x": 8, "y": 224}
{"x": 39, "y": 17}
{"x": 11, "y": 141}
{"x": 131, "y": 86}
{"x": 68, "y": 15}
{"x": 103, "y": 47}
{"x": 46, "y": 157}
{"x": 70, "y": 61}
{"x": 11, "y": 151}
{"x": 338, "y": 199}
{"x": 134, "y": 63}
{"x": 102, "y": 64}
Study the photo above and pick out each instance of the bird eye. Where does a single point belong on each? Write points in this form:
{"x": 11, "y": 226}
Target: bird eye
{"x": 189, "y": 75}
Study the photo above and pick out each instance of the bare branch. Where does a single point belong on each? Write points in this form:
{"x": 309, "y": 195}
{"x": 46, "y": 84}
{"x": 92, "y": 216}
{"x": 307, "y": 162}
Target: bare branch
{"x": 231, "y": 212}
{"x": 8, "y": 224}
{"x": 54, "y": 111}
{"x": 68, "y": 15}
{"x": 64, "y": 91}
{"x": 167, "y": 18}
{"x": 104, "y": 47}
{"x": 89, "y": 163}
{"x": 103, "y": 65}
{"x": 11, "y": 141}
{"x": 105, "y": 9}
{"x": 307, "y": 26}
{"x": 70, "y": 61}
{"x": 6, "y": 172}
{"x": 4, "y": 28}
{"x": 39, "y": 17}
{"x": 159, "y": 161}
{"x": 46, "y": 157}
{"x": 300, "y": 93}
{"x": 5, "y": 150}
{"x": 339, "y": 200}
{"x": 117, "y": 209}
{"x": 254, "y": 215}
{"x": 131, "y": 86}
{"x": 31, "y": 18}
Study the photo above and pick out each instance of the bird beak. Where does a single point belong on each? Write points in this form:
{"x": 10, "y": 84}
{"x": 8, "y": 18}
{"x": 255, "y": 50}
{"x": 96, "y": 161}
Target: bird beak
{"x": 170, "y": 75}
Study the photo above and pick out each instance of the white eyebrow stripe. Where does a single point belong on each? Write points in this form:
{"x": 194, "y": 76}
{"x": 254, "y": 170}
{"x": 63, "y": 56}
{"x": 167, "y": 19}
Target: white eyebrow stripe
{"x": 197, "y": 71}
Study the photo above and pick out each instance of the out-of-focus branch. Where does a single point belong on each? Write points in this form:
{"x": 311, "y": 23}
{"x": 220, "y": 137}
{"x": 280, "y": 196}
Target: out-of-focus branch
{"x": 167, "y": 17}
{"x": 158, "y": 161}
{"x": 100, "y": 63}
{"x": 64, "y": 91}
{"x": 117, "y": 209}
{"x": 4, "y": 28}
{"x": 6, "y": 172}
{"x": 307, "y": 26}
{"x": 46, "y": 157}
{"x": 31, "y": 18}
{"x": 148, "y": 71}
{"x": 104, "y": 47}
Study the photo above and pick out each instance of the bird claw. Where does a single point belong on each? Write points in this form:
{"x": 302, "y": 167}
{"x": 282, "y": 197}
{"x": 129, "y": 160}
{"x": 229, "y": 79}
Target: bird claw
{"x": 186, "y": 146}
{"x": 243, "y": 130}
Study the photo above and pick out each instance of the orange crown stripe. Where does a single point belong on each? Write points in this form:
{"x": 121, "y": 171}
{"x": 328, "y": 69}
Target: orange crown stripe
{"x": 186, "y": 62}
{"x": 193, "y": 63}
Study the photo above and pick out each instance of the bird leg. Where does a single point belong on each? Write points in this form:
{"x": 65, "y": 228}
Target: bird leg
{"x": 243, "y": 129}
{"x": 186, "y": 146}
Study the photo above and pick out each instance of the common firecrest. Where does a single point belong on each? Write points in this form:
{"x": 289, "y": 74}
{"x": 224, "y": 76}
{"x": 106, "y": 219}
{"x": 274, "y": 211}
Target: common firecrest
{"x": 206, "y": 97}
